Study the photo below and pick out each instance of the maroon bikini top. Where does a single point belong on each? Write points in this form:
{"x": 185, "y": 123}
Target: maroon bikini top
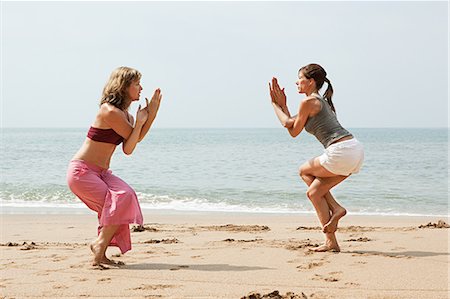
{"x": 104, "y": 135}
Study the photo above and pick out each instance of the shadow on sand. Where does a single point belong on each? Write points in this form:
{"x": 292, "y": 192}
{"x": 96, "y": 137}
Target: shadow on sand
{"x": 408, "y": 254}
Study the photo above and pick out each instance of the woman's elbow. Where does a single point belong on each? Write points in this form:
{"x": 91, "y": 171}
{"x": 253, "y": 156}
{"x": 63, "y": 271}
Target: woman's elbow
{"x": 127, "y": 151}
{"x": 293, "y": 133}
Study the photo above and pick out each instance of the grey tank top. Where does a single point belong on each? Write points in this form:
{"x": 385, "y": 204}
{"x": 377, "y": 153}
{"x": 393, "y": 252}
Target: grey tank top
{"x": 324, "y": 125}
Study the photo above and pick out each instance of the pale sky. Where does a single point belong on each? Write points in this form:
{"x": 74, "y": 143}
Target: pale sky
{"x": 387, "y": 61}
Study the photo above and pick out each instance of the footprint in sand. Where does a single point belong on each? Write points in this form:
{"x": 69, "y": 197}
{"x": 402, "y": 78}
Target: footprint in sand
{"x": 391, "y": 255}
{"x": 276, "y": 295}
{"x": 360, "y": 239}
{"x": 236, "y": 228}
{"x": 331, "y": 278}
{"x": 59, "y": 258}
{"x": 77, "y": 266}
{"x": 179, "y": 267}
{"x": 146, "y": 287}
{"x": 142, "y": 228}
{"x": 242, "y": 241}
{"x": 308, "y": 228}
{"x": 352, "y": 284}
{"x": 309, "y": 266}
{"x": 59, "y": 286}
{"x": 319, "y": 295}
{"x": 163, "y": 241}
{"x": 104, "y": 279}
{"x": 299, "y": 244}
{"x": 168, "y": 253}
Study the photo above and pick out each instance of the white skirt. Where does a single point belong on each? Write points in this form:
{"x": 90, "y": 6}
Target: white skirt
{"x": 343, "y": 158}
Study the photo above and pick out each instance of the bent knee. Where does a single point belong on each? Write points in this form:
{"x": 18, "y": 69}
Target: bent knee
{"x": 302, "y": 171}
{"x": 310, "y": 194}
{"x": 305, "y": 176}
{"x": 127, "y": 192}
{"x": 130, "y": 192}
{"x": 313, "y": 194}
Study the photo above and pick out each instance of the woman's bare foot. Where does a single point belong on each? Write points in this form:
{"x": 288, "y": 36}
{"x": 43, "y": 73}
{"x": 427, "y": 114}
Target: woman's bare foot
{"x": 326, "y": 247}
{"x": 103, "y": 259}
{"x": 98, "y": 257}
{"x": 332, "y": 225}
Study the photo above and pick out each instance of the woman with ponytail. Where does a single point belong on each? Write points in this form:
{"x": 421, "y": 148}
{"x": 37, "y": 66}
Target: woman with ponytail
{"x": 343, "y": 154}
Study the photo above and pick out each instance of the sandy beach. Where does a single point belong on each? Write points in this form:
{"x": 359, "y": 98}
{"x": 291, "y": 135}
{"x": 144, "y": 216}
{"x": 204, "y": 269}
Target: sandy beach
{"x": 218, "y": 255}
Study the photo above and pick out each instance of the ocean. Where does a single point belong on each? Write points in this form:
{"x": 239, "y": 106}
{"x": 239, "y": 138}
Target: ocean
{"x": 232, "y": 170}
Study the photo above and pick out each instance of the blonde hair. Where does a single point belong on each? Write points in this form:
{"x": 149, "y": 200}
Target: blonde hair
{"x": 115, "y": 90}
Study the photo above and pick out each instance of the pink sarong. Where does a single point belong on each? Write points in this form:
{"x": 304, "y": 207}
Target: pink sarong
{"x": 114, "y": 200}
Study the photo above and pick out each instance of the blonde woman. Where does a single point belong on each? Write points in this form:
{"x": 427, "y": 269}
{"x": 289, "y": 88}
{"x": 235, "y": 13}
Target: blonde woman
{"x": 343, "y": 154}
{"x": 88, "y": 175}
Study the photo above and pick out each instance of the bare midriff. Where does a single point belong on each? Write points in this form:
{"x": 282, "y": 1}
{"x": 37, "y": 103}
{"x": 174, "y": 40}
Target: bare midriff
{"x": 98, "y": 153}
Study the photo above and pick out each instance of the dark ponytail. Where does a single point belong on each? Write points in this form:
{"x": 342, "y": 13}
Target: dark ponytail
{"x": 329, "y": 94}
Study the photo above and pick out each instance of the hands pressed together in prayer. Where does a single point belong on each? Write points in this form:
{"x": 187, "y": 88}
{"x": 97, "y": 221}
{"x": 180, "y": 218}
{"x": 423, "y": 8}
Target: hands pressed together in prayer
{"x": 153, "y": 106}
{"x": 278, "y": 99}
{"x": 150, "y": 109}
{"x": 277, "y": 94}
{"x": 141, "y": 115}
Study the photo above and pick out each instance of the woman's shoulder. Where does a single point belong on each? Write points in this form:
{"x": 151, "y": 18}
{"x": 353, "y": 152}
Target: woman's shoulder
{"x": 107, "y": 108}
{"x": 311, "y": 101}
{"x": 111, "y": 113}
